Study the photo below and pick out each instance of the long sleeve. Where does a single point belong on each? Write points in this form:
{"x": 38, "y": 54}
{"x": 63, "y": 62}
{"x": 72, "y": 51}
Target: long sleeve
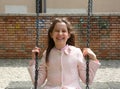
{"x": 93, "y": 66}
{"x": 41, "y": 71}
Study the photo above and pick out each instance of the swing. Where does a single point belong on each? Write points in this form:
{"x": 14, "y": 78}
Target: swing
{"x": 37, "y": 39}
{"x": 90, "y": 2}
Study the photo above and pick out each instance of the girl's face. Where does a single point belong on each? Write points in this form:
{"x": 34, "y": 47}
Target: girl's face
{"x": 60, "y": 35}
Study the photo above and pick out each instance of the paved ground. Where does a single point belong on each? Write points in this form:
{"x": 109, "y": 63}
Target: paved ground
{"x": 14, "y": 75}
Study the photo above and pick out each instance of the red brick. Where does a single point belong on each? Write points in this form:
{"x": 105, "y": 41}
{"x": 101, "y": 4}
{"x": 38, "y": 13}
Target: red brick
{"x": 18, "y": 36}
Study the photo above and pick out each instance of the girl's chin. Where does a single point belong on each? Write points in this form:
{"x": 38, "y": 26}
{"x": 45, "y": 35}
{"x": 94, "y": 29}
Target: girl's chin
{"x": 60, "y": 44}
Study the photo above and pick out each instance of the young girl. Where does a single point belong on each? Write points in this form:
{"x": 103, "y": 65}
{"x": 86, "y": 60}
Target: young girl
{"x": 62, "y": 64}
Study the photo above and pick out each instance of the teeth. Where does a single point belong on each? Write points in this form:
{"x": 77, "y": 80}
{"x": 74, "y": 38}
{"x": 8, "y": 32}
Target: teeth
{"x": 60, "y": 38}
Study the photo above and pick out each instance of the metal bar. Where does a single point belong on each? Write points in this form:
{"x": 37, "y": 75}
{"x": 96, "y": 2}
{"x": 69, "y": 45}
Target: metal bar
{"x": 44, "y": 6}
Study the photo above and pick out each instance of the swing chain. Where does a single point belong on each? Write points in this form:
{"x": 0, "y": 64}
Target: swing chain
{"x": 90, "y": 2}
{"x": 37, "y": 39}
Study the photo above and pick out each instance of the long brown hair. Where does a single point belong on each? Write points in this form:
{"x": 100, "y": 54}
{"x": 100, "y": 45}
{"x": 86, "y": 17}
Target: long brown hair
{"x": 51, "y": 44}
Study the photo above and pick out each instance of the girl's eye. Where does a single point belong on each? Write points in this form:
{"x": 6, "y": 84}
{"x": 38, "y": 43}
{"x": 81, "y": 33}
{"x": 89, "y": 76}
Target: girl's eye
{"x": 60, "y": 30}
{"x": 56, "y": 30}
{"x": 63, "y": 30}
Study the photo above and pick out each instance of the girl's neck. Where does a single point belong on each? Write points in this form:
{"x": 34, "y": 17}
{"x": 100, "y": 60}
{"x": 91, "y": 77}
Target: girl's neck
{"x": 60, "y": 47}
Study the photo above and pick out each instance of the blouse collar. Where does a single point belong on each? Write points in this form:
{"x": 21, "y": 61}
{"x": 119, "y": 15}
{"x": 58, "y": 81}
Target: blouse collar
{"x": 66, "y": 49}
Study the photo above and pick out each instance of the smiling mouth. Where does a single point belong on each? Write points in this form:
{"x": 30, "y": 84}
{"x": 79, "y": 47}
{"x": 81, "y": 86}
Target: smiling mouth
{"x": 60, "y": 38}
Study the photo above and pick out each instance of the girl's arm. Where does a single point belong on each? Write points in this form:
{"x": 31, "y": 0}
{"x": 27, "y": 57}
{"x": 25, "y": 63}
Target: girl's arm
{"x": 93, "y": 66}
{"x": 41, "y": 70}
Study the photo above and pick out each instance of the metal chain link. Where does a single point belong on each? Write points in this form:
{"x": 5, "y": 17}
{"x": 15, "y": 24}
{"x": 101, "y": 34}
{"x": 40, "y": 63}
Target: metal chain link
{"x": 90, "y": 2}
{"x": 37, "y": 40}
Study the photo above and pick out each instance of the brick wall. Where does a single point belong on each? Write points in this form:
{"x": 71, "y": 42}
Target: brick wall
{"x": 18, "y": 34}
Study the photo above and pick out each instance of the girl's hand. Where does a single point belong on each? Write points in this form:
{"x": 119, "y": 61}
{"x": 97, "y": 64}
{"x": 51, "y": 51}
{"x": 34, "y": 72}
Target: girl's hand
{"x": 90, "y": 53}
{"x": 34, "y": 51}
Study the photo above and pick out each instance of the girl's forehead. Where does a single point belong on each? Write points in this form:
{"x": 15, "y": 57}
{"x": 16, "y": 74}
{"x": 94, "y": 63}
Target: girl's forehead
{"x": 59, "y": 24}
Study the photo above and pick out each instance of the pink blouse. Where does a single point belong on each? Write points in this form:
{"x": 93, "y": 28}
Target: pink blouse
{"x": 65, "y": 69}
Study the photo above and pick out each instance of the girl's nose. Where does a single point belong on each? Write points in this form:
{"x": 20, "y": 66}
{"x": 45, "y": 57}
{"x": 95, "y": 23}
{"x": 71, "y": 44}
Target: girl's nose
{"x": 60, "y": 32}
